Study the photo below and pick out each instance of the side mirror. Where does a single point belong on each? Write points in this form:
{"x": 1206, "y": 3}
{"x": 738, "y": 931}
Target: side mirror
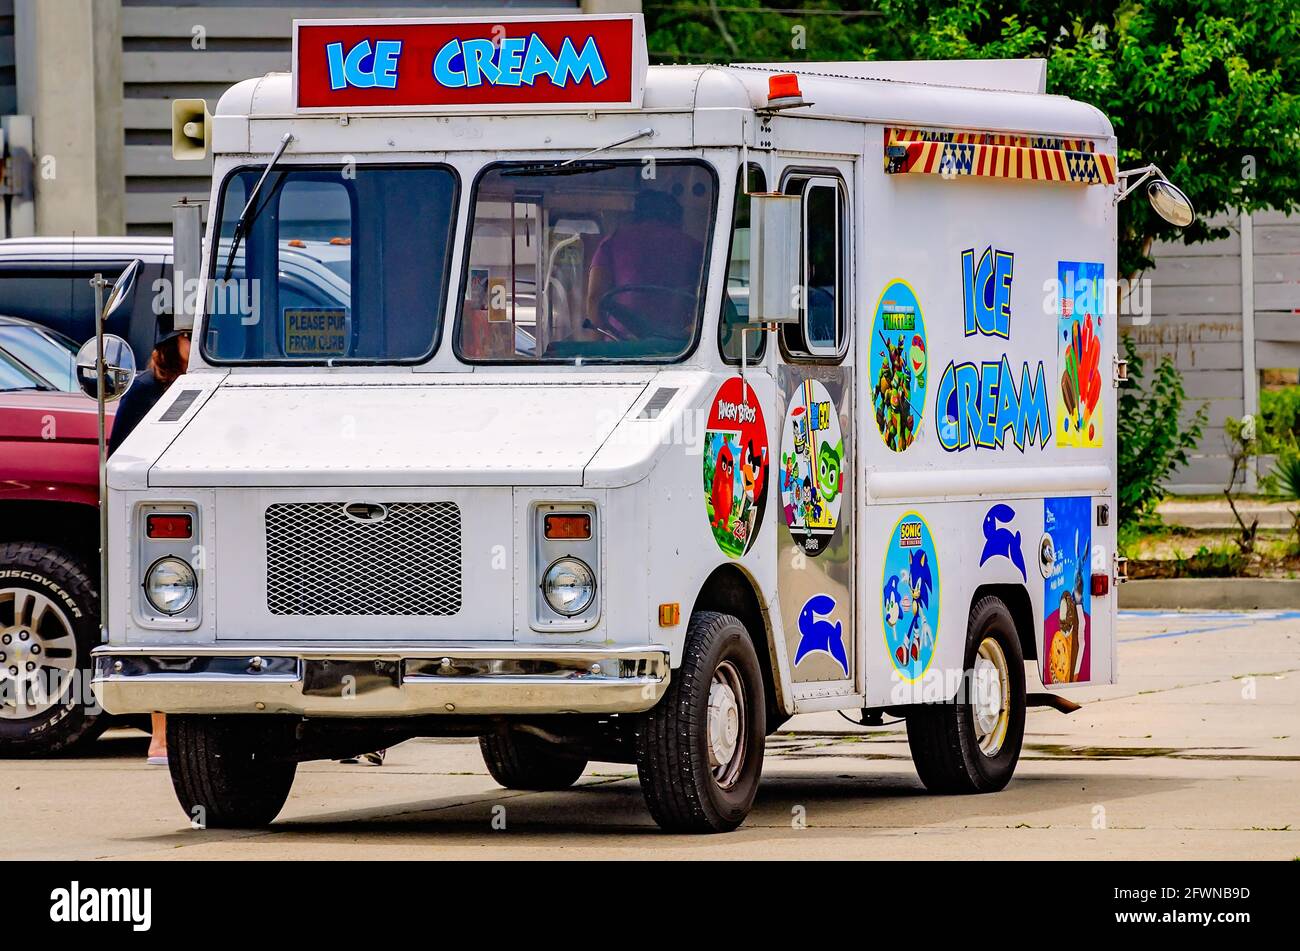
{"x": 775, "y": 223}
{"x": 1170, "y": 203}
{"x": 119, "y": 367}
{"x": 122, "y": 290}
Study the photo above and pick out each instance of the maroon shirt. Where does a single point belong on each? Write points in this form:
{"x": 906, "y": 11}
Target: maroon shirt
{"x": 652, "y": 252}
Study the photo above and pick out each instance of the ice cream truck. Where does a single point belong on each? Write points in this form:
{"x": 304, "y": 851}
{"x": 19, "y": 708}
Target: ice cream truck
{"x": 608, "y": 412}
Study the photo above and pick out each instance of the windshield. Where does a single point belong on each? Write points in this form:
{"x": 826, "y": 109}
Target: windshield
{"x": 15, "y": 376}
{"x": 598, "y": 260}
{"x": 345, "y": 264}
{"x": 49, "y": 353}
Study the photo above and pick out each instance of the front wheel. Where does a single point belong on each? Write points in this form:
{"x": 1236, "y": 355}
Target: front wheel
{"x": 971, "y": 744}
{"x": 699, "y": 752}
{"x": 223, "y": 772}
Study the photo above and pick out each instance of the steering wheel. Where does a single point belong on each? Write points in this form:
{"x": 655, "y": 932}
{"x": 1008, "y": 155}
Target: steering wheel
{"x": 637, "y": 325}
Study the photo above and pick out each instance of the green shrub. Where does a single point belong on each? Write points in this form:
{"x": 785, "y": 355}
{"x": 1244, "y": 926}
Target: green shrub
{"x": 1152, "y": 443}
{"x": 1279, "y": 413}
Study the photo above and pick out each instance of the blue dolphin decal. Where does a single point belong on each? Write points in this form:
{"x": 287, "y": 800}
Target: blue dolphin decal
{"x": 818, "y": 635}
{"x": 1002, "y": 541}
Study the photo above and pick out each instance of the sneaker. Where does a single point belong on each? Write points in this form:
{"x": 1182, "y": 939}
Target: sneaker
{"x": 366, "y": 759}
{"x": 156, "y": 761}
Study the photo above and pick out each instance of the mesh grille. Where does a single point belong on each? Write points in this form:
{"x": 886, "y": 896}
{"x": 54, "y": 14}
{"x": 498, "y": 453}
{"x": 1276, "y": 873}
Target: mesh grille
{"x": 320, "y": 561}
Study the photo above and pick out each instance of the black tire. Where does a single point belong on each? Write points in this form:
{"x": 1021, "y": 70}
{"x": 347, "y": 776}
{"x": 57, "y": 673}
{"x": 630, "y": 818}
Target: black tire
{"x": 66, "y": 600}
{"x": 222, "y": 774}
{"x": 521, "y": 761}
{"x": 672, "y": 740}
{"x": 943, "y": 737}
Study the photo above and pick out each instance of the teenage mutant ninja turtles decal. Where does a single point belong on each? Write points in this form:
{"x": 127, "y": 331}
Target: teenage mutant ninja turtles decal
{"x": 899, "y": 365}
{"x": 812, "y": 472}
{"x": 735, "y": 467}
{"x": 909, "y": 603}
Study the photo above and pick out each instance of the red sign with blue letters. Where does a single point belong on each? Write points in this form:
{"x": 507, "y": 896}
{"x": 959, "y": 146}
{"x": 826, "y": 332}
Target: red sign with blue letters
{"x": 458, "y": 65}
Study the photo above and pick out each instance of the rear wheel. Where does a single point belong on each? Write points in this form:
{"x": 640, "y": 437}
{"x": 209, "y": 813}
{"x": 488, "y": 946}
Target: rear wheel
{"x": 973, "y": 746}
{"x": 223, "y": 772}
{"x": 700, "y": 750}
{"x": 49, "y": 622}
{"x": 521, "y": 761}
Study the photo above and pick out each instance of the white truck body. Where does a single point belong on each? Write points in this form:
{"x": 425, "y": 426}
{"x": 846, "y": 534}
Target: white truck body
{"x": 1000, "y": 480}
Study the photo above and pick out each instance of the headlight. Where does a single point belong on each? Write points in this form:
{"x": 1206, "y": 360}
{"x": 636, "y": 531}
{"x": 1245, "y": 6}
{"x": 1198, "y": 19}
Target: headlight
{"x": 170, "y": 585}
{"x": 569, "y": 586}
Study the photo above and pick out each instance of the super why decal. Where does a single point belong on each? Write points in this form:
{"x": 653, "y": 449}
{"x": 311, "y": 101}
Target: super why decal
{"x": 735, "y": 467}
{"x": 909, "y": 603}
{"x": 899, "y": 361}
{"x": 812, "y": 467}
{"x": 992, "y": 404}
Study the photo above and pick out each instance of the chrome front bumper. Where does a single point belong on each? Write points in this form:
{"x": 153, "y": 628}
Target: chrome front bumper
{"x": 359, "y": 680}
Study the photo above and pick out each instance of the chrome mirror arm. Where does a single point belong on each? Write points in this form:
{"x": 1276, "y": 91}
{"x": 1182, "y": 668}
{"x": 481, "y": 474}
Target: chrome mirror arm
{"x": 1129, "y": 183}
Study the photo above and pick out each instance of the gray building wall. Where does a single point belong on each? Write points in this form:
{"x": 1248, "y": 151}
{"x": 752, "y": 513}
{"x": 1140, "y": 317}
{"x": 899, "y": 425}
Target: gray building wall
{"x": 1227, "y": 311}
{"x": 114, "y": 66}
{"x": 8, "y": 85}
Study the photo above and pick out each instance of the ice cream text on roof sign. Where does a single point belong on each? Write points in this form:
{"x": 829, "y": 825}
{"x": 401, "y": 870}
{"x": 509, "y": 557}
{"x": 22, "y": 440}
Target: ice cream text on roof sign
{"x": 451, "y": 65}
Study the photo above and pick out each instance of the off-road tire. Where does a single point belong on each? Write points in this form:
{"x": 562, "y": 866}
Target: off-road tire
{"x": 520, "y": 761}
{"x": 61, "y": 578}
{"x": 672, "y": 743}
{"x": 945, "y": 747}
{"x": 222, "y": 774}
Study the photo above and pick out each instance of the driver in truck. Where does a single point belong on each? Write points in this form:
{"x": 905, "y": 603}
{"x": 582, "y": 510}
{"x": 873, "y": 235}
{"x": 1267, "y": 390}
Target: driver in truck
{"x": 621, "y": 262}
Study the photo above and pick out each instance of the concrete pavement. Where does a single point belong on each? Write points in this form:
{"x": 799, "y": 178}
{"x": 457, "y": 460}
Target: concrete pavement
{"x": 1193, "y": 755}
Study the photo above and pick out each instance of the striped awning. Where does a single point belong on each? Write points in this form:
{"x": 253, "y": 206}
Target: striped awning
{"x": 996, "y": 155}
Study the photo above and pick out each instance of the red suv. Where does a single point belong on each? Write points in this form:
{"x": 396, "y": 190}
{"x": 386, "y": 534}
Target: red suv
{"x": 49, "y": 537}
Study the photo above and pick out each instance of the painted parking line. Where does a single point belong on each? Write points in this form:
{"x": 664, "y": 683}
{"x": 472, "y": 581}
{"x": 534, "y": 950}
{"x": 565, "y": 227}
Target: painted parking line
{"x": 1226, "y": 621}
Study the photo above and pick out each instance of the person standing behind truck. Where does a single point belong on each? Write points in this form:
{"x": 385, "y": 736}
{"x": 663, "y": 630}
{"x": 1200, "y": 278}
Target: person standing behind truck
{"x": 169, "y": 359}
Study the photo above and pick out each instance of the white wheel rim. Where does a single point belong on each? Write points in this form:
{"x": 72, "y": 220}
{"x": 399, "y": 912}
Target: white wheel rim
{"x": 726, "y": 725}
{"x": 991, "y": 705}
{"x": 38, "y": 653}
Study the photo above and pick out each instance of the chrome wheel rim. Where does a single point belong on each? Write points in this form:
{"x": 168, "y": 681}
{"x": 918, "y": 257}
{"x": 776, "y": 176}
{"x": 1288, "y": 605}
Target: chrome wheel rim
{"x": 991, "y": 709}
{"x": 38, "y": 653}
{"x": 726, "y": 725}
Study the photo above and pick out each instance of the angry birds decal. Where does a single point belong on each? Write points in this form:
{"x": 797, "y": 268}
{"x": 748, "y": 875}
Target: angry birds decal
{"x": 736, "y": 460}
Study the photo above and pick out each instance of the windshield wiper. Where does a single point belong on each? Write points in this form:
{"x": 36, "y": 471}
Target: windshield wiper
{"x": 638, "y": 134}
{"x": 560, "y": 168}
{"x": 245, "y": 218}
{"x": 571, "y": 166}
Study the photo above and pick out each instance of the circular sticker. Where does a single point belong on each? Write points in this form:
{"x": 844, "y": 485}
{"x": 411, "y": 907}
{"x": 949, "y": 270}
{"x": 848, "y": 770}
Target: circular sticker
{"x": 812, "y": 475}
{"x": 735, "y": 467}
{"x": 910, "y": 596}
{"x": 899, "y": 364}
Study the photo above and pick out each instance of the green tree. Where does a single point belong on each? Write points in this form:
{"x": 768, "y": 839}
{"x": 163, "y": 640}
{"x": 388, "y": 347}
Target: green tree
{"x": 1206, "y": 89}
{"x": 1151, "y": 440}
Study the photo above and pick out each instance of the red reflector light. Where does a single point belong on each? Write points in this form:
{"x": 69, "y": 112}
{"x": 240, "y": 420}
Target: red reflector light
{"x": 1100, "y": 585}
{"x": 568, "y": 526}
{"x": 783, "y": 86}
{"x": 168, "y": 526}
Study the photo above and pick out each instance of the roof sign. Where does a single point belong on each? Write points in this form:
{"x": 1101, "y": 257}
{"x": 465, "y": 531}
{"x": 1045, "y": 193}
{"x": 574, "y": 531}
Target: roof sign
{"x": 442, "y": 65}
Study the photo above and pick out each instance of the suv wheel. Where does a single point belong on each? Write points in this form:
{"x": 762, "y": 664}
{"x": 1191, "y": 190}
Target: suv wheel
{"x": 49, "y": 622}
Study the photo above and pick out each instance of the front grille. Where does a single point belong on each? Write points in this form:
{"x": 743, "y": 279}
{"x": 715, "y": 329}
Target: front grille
{"x": 321, "y": 561}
